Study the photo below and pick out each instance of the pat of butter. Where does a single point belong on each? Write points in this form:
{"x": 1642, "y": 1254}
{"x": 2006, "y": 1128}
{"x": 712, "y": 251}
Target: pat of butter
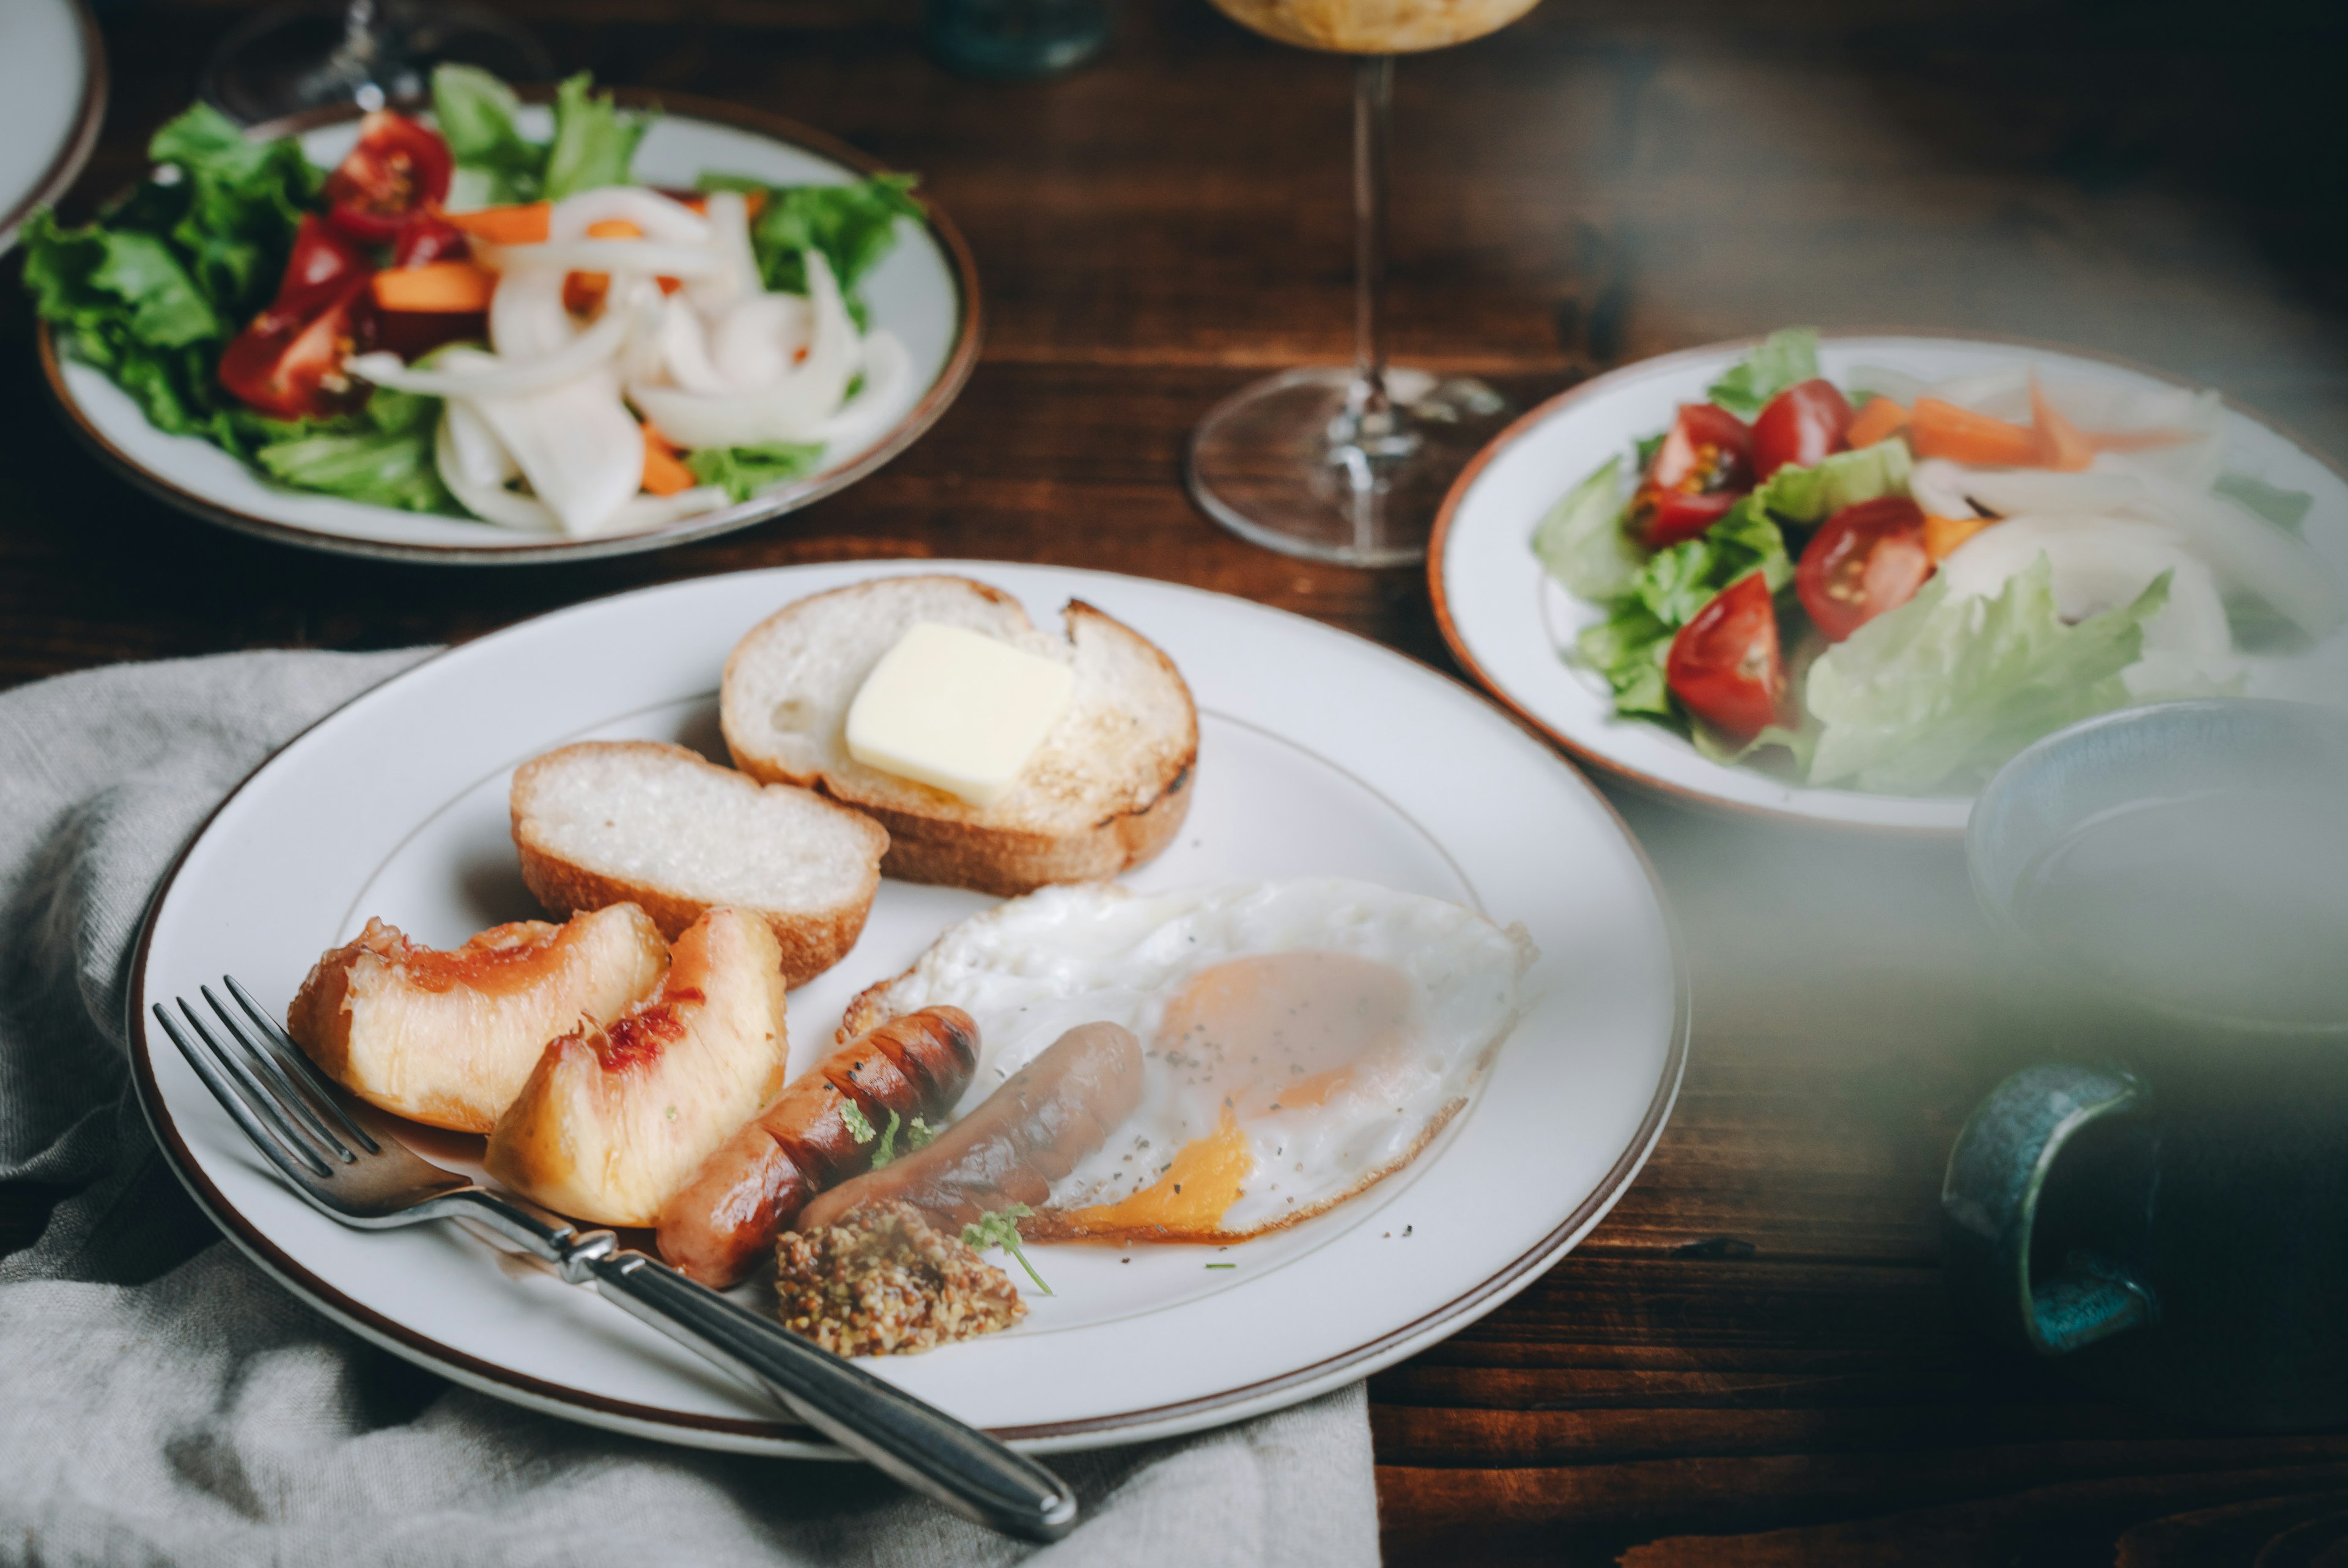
{"x": 957, "y": 711}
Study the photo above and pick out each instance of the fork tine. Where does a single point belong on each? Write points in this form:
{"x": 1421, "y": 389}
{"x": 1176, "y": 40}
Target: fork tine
{"x": 286, "y": 1092}
{"x": 297, "y": 1062}
{"x": 256, "y": 1093}
{"x": 233, "y": 1102}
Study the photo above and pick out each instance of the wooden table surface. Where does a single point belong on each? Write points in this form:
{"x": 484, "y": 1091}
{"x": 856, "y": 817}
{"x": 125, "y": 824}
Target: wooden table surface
{"x": 1751, "y": 1361}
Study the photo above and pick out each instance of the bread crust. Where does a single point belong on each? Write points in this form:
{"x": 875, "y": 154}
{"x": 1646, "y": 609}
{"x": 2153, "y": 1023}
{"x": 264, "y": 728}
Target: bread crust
{"x": 936, "y": 838}
{"x": 811, "y": 940}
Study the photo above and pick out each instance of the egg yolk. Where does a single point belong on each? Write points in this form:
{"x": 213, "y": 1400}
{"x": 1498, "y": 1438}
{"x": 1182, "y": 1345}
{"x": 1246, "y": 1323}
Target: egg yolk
{"x": 1264, "y": 1035}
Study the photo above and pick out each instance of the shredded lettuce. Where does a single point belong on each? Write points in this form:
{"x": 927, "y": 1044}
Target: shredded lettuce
{"x": 474, "y": 112}
{"x": 1629, "y": 646}
{"x": 1785, "y": 356}
{"x": 152, "y": 291}
{"x": 744, "y": 471}
{"x": 594, "y": 144}
{"x": 1805, "y": 496}
{"x": 853, "y": 225}
{"x": 594, "y": 140}
{"x": 2286, "y": 509}
{"x": 1941, "y": 692}
{"x": 381, "y": 455}
{"x": 1580, "y": 540}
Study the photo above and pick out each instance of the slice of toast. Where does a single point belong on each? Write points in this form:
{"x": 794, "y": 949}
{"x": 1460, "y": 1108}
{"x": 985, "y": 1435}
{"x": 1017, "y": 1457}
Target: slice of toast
{"x": 608, "y": 822}
{"x": 1107, "y": 788}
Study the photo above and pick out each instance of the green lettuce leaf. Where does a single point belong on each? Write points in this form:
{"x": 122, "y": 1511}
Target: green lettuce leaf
{"x": 1784, "y": 357}
{"x": 1940, "y": 693}
{"x": 2286, "y": 509}
{"x": 744, "y": 471}
{"x": 240, "y": 203}
{"x": 1629, "y": 646}
{"x": 1580, "y": 540}
{"x": 594, "y": 144}
{"x": 1808, "y": 496}
{"x": 382, "y": 455}
{"x": 476, "y": 113}
{"x": 853, "y": 225}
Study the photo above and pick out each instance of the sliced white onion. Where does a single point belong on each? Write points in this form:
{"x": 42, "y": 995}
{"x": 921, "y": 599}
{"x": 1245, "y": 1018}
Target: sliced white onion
{"x": 791, "y": 408}
{"x": 2248, "y": 551}
{"x": 729, "y": 235}
{"x": 492, "y": 503}
{"x": 480, "y": 375}
{"x": 685, "y": 352}
{"x": 2101, "y": 564}
{"x": 495, "y": 504}
{"x": 758, "y": 339}
{"x": 651, "y": 257}
{"x": 528, "y": 319}
{"x": 576, "y": 445}
{"x": 1938, "y": 485}
{"x": 888, "y": 391}
{"x": 1896, "y": 385}
{"x": 659, "y": 217}
{"x": 473, "y": 446}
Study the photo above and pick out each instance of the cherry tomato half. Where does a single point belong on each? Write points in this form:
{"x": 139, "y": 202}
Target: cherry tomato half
{"x": 288, "y": 361}
{"x": 322, "y": 261}
{"x": 397, "y": 168}
{"x": 425, "y": 237}
{"x": 1705, "y": 459}
{"x": 1725, "y": 664}
{"x": 1805, "y": 422}
{"x": 1864, "y": 560}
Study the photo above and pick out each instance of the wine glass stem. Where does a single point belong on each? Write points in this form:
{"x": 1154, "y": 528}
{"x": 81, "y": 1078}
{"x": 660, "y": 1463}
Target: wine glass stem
{"x": 1373, "y": 136}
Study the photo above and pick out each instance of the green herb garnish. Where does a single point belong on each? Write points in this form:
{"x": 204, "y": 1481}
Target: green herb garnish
{"x": 857, "y": 1127}
{"x": 1000, "y": 1227}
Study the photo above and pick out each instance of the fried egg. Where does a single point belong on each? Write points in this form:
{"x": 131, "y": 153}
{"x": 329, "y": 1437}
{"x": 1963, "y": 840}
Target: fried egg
{"x": 1302, "y": 1040}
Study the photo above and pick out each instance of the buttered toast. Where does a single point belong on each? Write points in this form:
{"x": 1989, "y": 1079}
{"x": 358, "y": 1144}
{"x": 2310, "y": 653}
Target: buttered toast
{"x": 1106, "y": 789}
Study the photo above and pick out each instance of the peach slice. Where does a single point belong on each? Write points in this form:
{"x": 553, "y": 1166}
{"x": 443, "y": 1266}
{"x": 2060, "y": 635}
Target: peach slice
{"x": 449, "y": 1037}
{"x": 614, "y": 1120}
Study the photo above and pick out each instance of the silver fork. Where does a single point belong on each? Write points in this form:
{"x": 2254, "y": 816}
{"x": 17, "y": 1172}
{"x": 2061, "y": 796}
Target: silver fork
{"x": 310, "y": 1131}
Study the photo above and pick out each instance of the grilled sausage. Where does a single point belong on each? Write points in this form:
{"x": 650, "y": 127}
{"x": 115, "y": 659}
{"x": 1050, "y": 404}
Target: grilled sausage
{"x": 1032, "y": 1131}
{"x": 725, "y": 1218}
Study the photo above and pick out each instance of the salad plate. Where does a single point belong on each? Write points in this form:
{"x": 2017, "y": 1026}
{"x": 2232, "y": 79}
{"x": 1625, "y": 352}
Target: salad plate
{"x": 52, "y": 97}
{"x": 924, "y": 291}
{"x": 396, "y": 805}
{"x": 2280, "y": 512}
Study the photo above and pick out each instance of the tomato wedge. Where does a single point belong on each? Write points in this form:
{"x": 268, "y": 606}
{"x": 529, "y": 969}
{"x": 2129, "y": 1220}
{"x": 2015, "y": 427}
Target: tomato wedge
{"x": 1704, "y": 463}
{"x": 1807, "y": 421}
{"x": 398, "y": 167}
{"x": 288, "y": 361}
{"x": 425, "y": 236}
{"x": 1864, "y": 560}
{"x": 322, "y": 261}
{"x": 1725, "y": 663}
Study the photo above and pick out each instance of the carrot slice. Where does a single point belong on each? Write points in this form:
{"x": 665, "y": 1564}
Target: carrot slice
{"x": 524, "y": 225}
{"x": 440, "y": 286}
{"x": 1943, "y": 535}
{"x": 2061, "y": 446}
{"x": 1878, "y": 421}
{"x": 1938, "y": 429}
{"x": 663, "y": 474}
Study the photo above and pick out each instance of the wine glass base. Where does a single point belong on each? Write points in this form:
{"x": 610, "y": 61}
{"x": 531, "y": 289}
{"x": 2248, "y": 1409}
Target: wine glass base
{"x": 296, "y": 58}
{"x": 1285, "y": 464}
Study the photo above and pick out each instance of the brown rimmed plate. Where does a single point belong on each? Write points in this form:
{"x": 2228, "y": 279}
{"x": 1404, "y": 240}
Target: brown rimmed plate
{"x": 925, "y": 291}
{"x": 396, "y": 805}
{"x": 1509, "y": 624}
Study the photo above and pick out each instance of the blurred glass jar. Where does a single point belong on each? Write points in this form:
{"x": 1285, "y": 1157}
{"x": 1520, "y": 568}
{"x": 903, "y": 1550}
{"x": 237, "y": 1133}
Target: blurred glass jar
{"x": 1013, "y": 40}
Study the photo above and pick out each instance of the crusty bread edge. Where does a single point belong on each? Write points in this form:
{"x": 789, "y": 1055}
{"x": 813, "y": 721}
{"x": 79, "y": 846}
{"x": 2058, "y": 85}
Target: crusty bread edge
{"x": 1004, "y": 862}
{"x": 812, "y": 941}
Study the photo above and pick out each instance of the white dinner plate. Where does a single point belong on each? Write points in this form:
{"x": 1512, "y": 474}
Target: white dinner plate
{"x": 1509, "y": 623}
{"x": 925, "y": 291}
{"x": 1319, "y": 753}
{"x": 52, "y": 97}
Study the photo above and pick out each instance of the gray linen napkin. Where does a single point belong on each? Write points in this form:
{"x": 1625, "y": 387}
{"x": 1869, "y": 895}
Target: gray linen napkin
{"x": 162, "y": 1402}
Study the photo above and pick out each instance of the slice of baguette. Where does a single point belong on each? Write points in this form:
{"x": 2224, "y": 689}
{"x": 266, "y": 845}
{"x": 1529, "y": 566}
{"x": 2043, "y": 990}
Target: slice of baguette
{"x": 1107, "y": 788}
{"x": 610, "y": 822}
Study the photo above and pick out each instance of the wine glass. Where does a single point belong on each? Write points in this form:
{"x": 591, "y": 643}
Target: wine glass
{"x": 1350, "y": 464}
{"x": 369, "y": 52}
